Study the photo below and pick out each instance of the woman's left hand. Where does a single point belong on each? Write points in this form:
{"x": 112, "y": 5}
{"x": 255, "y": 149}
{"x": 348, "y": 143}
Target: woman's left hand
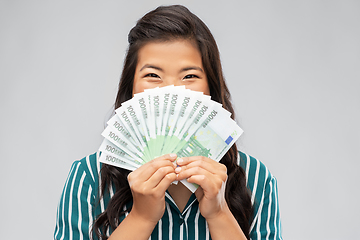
{"x": 211, "y": 176}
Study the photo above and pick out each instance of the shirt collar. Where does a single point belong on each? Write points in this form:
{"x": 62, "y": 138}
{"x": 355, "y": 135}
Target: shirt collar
{"x": 172, "y": 203}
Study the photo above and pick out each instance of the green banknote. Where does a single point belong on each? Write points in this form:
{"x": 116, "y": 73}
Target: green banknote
{"x": 126, "y": 160}
{"x": 122, "y": 143}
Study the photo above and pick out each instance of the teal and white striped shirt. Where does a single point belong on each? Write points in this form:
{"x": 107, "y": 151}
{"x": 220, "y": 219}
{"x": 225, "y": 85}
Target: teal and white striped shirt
{"x": 79, "y": 205}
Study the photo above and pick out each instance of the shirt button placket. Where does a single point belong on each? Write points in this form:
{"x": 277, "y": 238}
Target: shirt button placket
{"x": 181, "y": 220}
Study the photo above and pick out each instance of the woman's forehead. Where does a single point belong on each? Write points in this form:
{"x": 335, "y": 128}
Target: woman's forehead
{"x": 174, "y": 52}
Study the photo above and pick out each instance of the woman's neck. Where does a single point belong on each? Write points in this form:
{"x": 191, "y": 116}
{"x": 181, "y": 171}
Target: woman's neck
{"x": 180, "y": 195}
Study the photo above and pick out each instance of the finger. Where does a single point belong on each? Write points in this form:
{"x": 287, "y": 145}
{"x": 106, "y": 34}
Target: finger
{"x": 187, "y": 160}
{"x": 197, "y": 171}
{"x": 167, "y": 157}
{"x": 171, "y": 156}
{"x": 164, "y": 184}
{"x": 210, "y": 182}
{"x": 159, "y": 175}
{"x": 202, "y": 162}
{"x": 144, "y": 172}
{"x": 185, "y": 173}
{"x": 209, "y": 188}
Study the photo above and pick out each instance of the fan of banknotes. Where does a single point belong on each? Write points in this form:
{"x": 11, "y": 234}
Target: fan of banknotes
{"x": 164, "y": 120}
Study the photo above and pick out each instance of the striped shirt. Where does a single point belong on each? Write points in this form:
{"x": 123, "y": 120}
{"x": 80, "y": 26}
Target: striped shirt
{"x": 79, "y": 205}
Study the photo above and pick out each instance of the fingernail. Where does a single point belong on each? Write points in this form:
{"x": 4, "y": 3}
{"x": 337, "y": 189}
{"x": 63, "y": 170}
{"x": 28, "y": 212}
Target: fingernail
{"x": 180, "y": 160}
{"x": 172, "y": 155}
{"x": 178, "y": 169}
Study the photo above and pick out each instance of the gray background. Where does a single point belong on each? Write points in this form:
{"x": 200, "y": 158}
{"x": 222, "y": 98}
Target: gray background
{"x": 292, "y": 67}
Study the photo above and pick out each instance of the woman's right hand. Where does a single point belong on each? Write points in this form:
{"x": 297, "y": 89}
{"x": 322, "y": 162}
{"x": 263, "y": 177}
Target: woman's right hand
{"x": 148, "y": 184}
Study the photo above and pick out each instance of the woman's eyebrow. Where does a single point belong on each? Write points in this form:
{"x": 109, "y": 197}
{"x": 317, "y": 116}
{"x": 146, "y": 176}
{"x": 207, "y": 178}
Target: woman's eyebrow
{"x": 191, "y": 68}
{"x": 182, "y": 70}
{"x": 151, "y": 66}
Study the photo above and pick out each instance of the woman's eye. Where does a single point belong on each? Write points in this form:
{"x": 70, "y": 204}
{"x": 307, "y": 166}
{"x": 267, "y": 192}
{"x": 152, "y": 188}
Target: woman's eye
{"x": 189, "y": 76}
{"x": 152, "y": 75}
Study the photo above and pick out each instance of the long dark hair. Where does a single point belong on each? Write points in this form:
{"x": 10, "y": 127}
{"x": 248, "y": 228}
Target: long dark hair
{"x": 168, "y": 23}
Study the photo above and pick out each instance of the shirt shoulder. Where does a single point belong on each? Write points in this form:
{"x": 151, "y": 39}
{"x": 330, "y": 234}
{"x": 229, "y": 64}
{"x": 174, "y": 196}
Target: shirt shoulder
{"x": 87, "y": 168}
{"x": 77, "y": 203}
{"x": 264, "y": 198}
{"x": 257, "y": 174}
{"x": 91, "y": 166}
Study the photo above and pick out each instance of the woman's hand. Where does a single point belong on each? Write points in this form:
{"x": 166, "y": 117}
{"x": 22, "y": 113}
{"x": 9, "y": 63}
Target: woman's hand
{"x": 211, "y": 176}
{"x": 148, "y": 184}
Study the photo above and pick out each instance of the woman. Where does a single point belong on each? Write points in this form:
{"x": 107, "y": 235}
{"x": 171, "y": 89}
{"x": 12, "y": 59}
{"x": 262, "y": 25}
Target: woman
{"x": 171, "y": 46}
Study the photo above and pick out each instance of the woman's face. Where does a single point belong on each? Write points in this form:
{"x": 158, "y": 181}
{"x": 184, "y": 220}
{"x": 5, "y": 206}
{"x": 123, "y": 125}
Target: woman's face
{"x": 175, "y": 62}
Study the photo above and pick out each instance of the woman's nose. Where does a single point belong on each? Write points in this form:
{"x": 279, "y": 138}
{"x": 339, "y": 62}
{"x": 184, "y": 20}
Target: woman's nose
{"x": 171, "y": 81}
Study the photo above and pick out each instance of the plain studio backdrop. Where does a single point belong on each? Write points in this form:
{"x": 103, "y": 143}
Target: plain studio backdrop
{"x": 293, "y": 68}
